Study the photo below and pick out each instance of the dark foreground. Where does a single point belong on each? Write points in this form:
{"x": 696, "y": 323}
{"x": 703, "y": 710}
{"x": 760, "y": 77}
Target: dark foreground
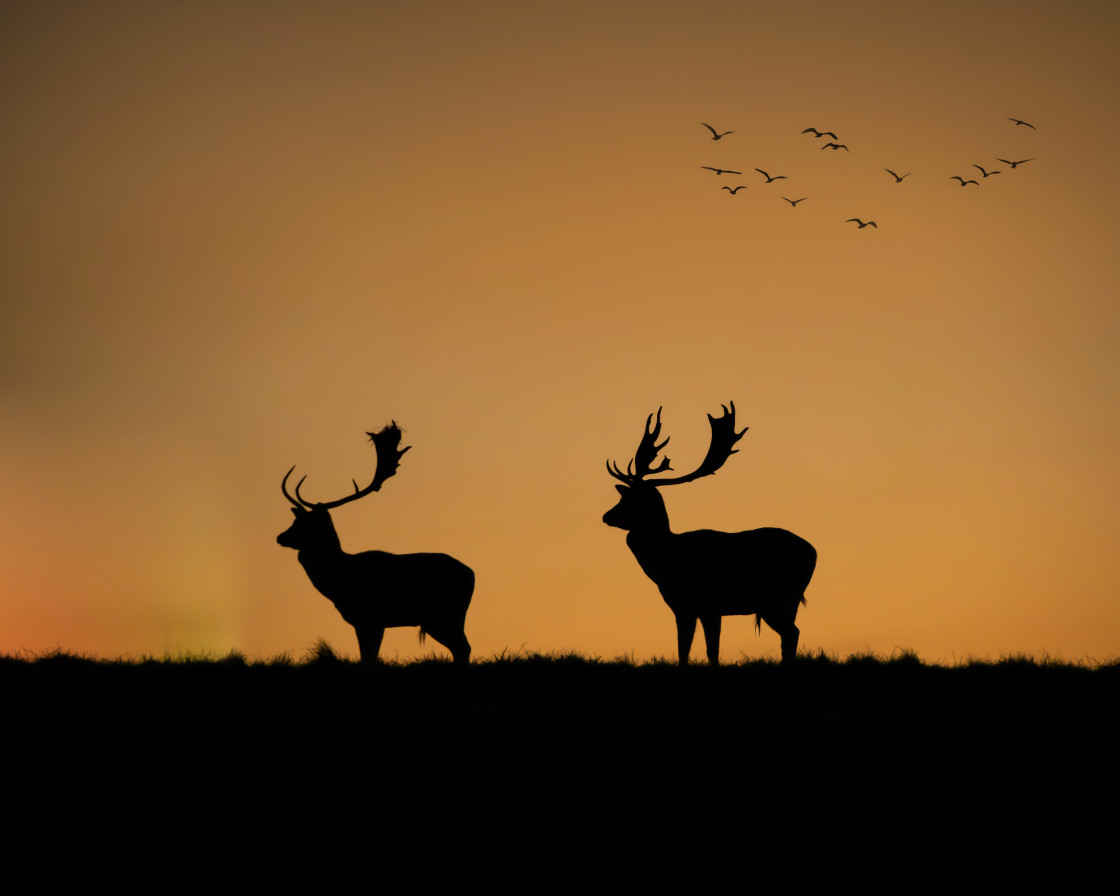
{"x": 559, "y": 774}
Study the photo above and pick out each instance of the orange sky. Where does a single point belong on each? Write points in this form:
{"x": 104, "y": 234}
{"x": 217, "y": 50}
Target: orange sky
{"x": 236, "y": 236}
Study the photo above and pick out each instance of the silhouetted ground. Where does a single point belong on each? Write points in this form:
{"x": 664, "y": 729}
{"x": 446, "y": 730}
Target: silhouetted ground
{"x": 558, "y": 773}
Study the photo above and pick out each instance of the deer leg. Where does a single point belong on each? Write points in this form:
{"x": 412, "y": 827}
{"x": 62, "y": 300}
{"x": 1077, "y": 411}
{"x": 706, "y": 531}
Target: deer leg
{"x": 790, "y": 638}
{"x": 460, "y": 649}
{"x": 686, "y": 630}
{"x": 712, "y": 626}
{"x": 454, "y": 641}
{"x": 792, "y": 633}
{"x": 369, "y": 642}
{"x": 789, "y": 633}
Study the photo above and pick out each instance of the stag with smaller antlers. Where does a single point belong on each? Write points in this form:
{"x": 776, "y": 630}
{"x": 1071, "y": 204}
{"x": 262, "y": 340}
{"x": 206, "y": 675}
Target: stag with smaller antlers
{"x": 376, "y": 590}
{"x": 706, "y": 575}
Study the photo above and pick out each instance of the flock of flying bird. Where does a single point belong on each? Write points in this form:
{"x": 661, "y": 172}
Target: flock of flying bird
{"x": 834, "y": 146}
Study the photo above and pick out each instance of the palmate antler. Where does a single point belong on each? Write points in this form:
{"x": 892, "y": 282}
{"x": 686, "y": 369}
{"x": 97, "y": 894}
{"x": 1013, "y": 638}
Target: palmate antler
{"x": 721, "y": 448}
{"x": 645, "y": 455}
{"x": 386, "y": 442}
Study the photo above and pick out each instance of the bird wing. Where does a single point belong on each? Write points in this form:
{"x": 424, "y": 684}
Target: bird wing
{"x": 982, "y": 171}
{"x": 709, "y": 127}
{"x": 843, "y": 146}
{"x": 857, "y": 220}
{"x": 891, "y": 173}
{"x": 760, "y": 171}
{"x": 829, "y": 134}
{"x": 811, "y": 131}
{"x": 957, "y": 177}
{"x": 1006, "y": 162}
{"x": 709, "y": 168}
{"x": 872, "y": 224}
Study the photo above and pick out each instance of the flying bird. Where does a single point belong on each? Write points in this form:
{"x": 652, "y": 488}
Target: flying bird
{"x": 716, "y": 134}
{"x": 863, "y": 224}
{"x": 964, "y": 183}
{"x": 794, "y": 202}
{"x": 817, "y": 133}
{"x": 736, "y": 190}
{"x": 1027, "y": 123}
{"x": 897, "y": 179}
{"x": 836, "y": 146}
{"x": 1014, "y": 164}
{"x": 720, "y": 170}
{"x": 770, "y": 179}
{"x": 986, "y": 173}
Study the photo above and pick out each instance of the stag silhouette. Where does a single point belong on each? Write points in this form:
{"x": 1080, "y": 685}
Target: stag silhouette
{"x": 375, "y": 590}
{"x": 707, "y": 575}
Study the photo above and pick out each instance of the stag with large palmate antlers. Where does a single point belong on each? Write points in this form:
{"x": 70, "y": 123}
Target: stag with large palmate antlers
{"x": 376, "y": 590}
{"x": 707, "y": 575}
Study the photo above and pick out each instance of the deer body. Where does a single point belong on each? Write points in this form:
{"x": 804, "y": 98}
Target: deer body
{"x": 705, "y": 575}
{"x": 387, "y": 602}
{"x": 701, "y": 572}
{"x": 375, "y": 590}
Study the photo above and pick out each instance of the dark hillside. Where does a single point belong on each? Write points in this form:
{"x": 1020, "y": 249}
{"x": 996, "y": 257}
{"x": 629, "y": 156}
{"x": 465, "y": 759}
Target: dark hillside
{"x": 561, "y": 772}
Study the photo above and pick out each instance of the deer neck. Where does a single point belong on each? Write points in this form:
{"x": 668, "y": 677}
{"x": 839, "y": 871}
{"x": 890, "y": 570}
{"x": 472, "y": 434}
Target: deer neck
{"x": 320, "y": 557}
{"x": 651, "y": 548}
{"x": 650, "y": 533}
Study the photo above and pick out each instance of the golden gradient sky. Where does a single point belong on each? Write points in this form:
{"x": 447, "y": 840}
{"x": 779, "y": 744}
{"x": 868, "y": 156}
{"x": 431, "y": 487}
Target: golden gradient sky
{"x": 238, "y": 235}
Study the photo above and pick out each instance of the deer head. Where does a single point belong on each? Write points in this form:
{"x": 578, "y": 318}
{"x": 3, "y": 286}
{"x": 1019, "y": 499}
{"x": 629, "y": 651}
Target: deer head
{"x": 313, "y": 526}
{"x": 641, "y": 505}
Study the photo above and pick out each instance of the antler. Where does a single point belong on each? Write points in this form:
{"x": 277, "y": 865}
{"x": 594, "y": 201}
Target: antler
{"x": 721, "y": 448}
{"x": 723, "y": 438}
{"x": 386, "y": 443}
{"x": 284, "y": 489}
{"x": 647, "y": 452}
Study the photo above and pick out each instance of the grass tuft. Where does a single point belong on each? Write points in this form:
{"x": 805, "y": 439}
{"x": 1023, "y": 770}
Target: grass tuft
{"x": 809, "y": 664}
{"x": 322, "y": 654}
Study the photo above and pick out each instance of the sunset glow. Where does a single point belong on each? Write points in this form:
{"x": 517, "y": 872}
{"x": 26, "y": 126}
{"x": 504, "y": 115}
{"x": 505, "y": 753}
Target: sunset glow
{"x": 239, "y": 236}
